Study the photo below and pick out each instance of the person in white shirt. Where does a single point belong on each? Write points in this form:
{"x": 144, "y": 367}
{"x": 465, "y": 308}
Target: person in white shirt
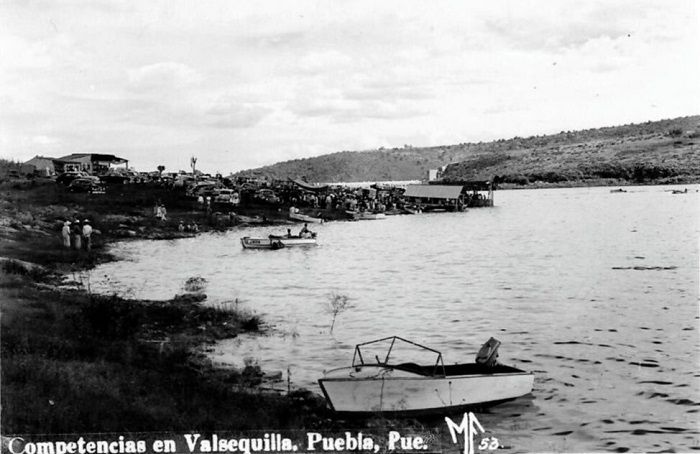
{"x": 65, "y": 232}
{"x": 87, "y": 235}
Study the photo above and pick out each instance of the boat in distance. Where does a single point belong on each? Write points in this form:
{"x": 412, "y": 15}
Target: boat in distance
{"x": 294, "y": 214}
{"x": 278, "y": 241}
{"x": 380, "y": 385}
{"x": 365, "y": 215}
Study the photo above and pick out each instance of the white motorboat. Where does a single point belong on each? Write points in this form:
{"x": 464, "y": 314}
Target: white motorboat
{"x": 366, "y": 215}
{"x": 278, "y": 241}
{"x": 381, "y": 385}
{"x": 297, "y": 216}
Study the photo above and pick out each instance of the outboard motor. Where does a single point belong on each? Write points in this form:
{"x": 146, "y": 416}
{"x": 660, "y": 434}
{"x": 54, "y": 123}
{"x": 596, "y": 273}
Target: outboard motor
{"x": 488, "y": 353}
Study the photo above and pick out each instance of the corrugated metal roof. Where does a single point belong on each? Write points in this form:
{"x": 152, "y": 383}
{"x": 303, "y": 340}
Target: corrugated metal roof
{"x": 38, "y": 161}
{"x": 94, "y": 157}
{"x": 309, "y": 186}
{"x": 432, "y": 191}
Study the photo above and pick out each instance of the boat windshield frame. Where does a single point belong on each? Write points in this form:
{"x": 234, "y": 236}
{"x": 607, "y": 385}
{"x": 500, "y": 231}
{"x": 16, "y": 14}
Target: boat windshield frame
{"x": 358, "y": 359}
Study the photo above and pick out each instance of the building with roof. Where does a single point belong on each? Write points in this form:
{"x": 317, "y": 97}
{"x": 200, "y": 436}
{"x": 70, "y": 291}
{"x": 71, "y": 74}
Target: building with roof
{"x": 436, "y": 174}
{"x": 94, "y": 163}
{"x": 434, "y": 197}
{"x": 450, "y": 197}
{"x": 39, "y": 165}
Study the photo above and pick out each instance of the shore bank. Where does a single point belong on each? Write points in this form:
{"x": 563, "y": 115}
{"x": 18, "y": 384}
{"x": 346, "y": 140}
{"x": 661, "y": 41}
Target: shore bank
{"x": 602, "y": 182}
{"x": 74, "y": 361}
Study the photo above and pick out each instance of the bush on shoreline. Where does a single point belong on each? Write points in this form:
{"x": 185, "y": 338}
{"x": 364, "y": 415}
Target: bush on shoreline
{"x": 73, "y": 361}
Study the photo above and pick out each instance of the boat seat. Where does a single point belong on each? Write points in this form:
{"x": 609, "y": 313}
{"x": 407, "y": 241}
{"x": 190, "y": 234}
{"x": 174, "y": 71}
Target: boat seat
{"x": 488, "y": 354}
{"x": 412, "y": 367}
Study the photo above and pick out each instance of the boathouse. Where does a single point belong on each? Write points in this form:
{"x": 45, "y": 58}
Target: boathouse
{"x": 476, "y": 193}
{"x": 450, "y": 196}
{"x": 434, "y": 197}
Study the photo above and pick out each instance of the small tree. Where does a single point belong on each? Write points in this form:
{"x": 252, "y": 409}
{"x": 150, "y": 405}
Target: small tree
{"x": 675, "y": 132}
{"x": 160, "y": 170}
{"x": 337, "y": 304}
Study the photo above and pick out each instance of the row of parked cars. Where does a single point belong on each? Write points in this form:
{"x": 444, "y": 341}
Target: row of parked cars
{"x": 219, "y": 193}
{"x": 216, "y": 190}
{"x": 81, "y": 181}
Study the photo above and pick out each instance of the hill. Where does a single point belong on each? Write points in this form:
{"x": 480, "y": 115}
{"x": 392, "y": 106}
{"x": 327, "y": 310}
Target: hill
{"x": 664, "y": 151}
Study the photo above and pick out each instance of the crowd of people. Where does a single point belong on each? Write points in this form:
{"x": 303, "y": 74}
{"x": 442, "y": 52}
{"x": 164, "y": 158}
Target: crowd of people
{"x": 77, "y": 235}
{"x": 189, "y": 227}
{"x": 346, "y": 198}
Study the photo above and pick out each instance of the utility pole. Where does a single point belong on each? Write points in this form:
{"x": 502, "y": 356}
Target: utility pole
{"x": 193, "y": 162}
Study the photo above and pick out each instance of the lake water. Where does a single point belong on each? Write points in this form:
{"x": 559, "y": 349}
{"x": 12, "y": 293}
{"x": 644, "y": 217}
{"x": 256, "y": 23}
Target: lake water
{"x": 595, "y": 292}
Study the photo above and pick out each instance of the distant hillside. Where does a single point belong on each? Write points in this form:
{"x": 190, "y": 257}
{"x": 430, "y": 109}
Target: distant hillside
{"x": 658, "y": 151}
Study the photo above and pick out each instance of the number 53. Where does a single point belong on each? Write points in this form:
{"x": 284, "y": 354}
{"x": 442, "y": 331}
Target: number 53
{"x": 488, "y": 443}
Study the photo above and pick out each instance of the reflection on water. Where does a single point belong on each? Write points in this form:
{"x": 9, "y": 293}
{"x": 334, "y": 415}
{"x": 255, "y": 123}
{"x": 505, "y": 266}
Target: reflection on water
{"x": 595, "y": 292}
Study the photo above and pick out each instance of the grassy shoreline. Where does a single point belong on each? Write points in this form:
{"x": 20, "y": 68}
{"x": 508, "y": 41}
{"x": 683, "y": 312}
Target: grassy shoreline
{"x": 73, "y": 361}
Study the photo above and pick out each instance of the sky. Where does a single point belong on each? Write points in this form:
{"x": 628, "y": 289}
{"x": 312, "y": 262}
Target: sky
{"x": 242, "y": 84}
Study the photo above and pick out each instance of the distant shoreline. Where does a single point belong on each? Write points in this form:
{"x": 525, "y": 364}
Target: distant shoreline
{"x": 603, "y": 183}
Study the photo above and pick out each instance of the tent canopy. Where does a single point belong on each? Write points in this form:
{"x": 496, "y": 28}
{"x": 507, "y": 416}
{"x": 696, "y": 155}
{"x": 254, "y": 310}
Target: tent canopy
{"x": 432, "y": 191}
{"x": 309, "y": 186}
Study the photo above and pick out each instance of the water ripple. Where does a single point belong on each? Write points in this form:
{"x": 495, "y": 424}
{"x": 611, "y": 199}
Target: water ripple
{"x": 549, "y": 273}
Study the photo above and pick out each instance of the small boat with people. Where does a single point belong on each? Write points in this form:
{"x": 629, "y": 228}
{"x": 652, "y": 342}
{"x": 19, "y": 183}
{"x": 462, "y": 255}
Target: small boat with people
{"x": 390, "y": 384}
{"x": 305, "y": 238}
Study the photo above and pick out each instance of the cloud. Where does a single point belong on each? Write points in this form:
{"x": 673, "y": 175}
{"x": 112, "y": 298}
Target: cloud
{"x": 163, "y": 76}
{"x": 387, "y": 90}
{"x": 273, "y": 41}
{"x": 42, "y": 140}
{"x": 174, "y": 77}
{"x": 234, "y": 115}
{"x": 325, "y": 61}
{"x": 342, "y": 110}
{"x": 24, "y": 54}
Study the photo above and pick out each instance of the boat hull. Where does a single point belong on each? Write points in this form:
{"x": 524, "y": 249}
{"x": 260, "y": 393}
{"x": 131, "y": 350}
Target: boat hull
{"x": 275, "y": 242}
{"x": 305, "y": 218}
{"x": 365, "y": 216}
{"x": 392, "y": 391}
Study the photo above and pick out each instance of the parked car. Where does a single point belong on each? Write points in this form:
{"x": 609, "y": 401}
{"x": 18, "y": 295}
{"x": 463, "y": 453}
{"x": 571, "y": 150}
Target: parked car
{"x": 205, "y": 188}
{"x": 88, "y": 185}
{"x": 267, "y": 195}
{"x": 67, "y": 177}
{"x": 120, "y": 176}
{"x": 183, "y": 180}
{"x": 226, "y": 196}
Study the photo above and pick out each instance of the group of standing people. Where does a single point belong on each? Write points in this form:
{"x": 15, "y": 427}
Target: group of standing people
{"x": 190, "y": 227}
{"x": 160, "y": 212}
{"x": 77, "y": 235}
